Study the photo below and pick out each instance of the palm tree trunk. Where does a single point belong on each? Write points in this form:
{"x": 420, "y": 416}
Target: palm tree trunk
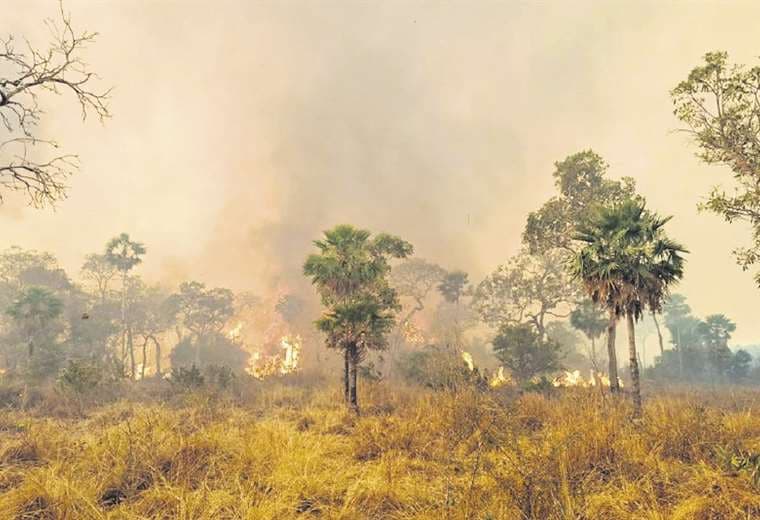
{"x": 353, "y": 399}
{"x": 634, "y": 365}
{"x": 659, "y": 332}
{"x": 612, "y": 356}
{"x": 346, "y": 369}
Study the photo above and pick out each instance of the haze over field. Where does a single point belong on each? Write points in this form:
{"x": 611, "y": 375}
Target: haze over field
{"x": 240, "y": 132}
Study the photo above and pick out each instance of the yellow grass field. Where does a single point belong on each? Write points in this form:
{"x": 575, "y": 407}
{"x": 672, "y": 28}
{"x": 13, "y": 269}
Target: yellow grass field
{"x": 293, "y": 452}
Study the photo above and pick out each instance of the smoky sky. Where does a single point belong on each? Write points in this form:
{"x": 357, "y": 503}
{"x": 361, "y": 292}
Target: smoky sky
{"x": 242, "y": 129}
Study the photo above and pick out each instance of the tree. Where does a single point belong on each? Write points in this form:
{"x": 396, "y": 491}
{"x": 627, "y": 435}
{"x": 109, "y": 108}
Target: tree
{"x": 684, "y": 330}
{"x": 415, "y": 278}
{"x": 351, "y": 274}
{"x": 99, "y": 271}
{"x": 627, "y": 264}
{"x": 716, "y": 330}
{"x": 701, "y": 346}
{"x": 211, "y": 350}
{"x": 125, "y": 254}
{"x": 590, "y": 320}
{"x": 740, "y": 365}
{"x": 453, "y": 286}
{"x": 21, "y": 270}
{"x": 27, "y": 72}
{"x": 36, "y": 312}
{"x": 150, "y": 317}
{"x": 204, "y": 312}
{"x": 720, "y": 107}
{"x": 582, "y": 184}
{"x": 525, "y": 352}
{"x": 526, "y": 289}
{"x": 569, "y": 339}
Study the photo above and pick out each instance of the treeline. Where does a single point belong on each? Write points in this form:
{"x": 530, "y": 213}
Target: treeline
{"x": 700, "y": 350}
{"x": 109, "y": 322}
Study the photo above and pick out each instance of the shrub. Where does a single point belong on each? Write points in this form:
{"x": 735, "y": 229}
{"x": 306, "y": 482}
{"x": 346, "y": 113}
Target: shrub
{"x": 80, "y": 376}
{"x": 187, "y": 379}
{"x": 435, "y": 368}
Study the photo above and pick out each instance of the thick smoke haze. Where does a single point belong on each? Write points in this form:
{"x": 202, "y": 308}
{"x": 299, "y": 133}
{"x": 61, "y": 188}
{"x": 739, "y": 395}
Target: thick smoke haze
{"x": 242, "y": 129}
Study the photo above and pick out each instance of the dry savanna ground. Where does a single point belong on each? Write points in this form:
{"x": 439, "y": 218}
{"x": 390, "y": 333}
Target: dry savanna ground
{"x": 291, "y": 451}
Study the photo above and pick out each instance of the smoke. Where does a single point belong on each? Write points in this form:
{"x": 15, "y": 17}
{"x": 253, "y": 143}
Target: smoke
{"x": 243, "y": 131}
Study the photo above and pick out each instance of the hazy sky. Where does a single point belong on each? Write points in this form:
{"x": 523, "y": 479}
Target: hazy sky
{"x": 241, "y": 129}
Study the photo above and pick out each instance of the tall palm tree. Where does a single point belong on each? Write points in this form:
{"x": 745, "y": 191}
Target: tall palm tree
{"x": 627, "y": 264}
{"x": 124, "y": 254}
{"x": 350, "y": 273}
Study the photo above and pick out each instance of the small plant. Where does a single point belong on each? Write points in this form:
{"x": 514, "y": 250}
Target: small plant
{"x": 741, "y": 461}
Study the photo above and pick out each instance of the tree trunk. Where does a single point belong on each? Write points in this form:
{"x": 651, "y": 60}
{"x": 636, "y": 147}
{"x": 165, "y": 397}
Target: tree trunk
{"x": 130, "y": 345}
{"x": 680, "y": 354}
{"x": 346, "y": 369}
{"x": 144, "y": 358}
{"x": 124, "y": 319}
{"x": 659, "y": 332}
{"x": 613, "y": 373}
{"x": 158, "y": 356}
{"x": 353, "y": 399}
{"x": 593, "y": 352}
{"x": 197, "y": 361}
{"x": 634, "y": 365}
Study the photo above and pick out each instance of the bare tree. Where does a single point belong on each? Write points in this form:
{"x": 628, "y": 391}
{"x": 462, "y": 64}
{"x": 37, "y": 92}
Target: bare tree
{"x": 30, "y": 163}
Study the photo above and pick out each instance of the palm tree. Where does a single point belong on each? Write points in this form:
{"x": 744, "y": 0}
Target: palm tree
{"x": 350, "y": 273}
{"x": 627, "y": 264}
{"x": 124, "y": 255}
{"x": 33, "y": 310}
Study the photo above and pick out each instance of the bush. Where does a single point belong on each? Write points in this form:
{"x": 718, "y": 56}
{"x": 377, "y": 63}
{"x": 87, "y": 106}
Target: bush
{"x": 436, "y": 368}
{"x": 213, "y": 349}
{"x": 80, "y": 376}
{"x": 11, "y": 394}
{"x": 187, "y": 379}
{"x": 221, "y": 377}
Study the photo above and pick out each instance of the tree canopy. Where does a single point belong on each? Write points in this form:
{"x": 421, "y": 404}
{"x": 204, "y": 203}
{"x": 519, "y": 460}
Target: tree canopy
{"x": 719, "y": 104}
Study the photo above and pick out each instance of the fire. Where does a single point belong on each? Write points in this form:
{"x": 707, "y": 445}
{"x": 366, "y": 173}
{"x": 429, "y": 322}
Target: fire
{"x": 500, "y": 379}
{"x": 292, "y": 351}
{"x": 574, "y": 378}
{"x": 467, "y": 358}
{"x": 413, "y": 334}
{"x": 569, "y": 379}
{"x": 234, "y": 333}
{"x": 286, "y": 361}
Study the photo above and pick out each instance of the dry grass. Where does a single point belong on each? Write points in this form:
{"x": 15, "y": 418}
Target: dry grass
{"x": 294, "y": 453}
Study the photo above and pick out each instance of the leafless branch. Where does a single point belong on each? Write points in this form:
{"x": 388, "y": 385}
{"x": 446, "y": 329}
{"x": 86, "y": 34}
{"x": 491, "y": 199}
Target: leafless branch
{"x": 58, "y": 69}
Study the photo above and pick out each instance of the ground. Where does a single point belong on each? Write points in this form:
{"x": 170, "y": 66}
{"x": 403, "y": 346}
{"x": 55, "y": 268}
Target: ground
{"x": 291, "y": 451}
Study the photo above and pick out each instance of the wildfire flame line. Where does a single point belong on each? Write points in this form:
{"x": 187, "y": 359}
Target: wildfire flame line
{"x": 281, "y": 363}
